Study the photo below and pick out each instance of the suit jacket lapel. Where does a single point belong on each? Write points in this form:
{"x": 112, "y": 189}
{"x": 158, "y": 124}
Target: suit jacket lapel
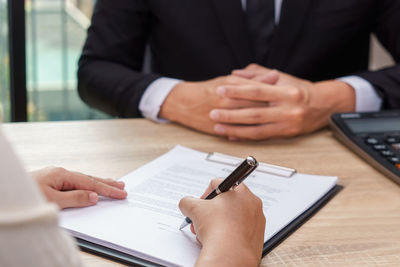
{"x": 293, "y": 15}
{"x": 232, "y": 21}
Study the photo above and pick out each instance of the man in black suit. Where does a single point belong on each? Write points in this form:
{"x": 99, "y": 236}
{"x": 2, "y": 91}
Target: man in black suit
{"x": 320, "y": 47}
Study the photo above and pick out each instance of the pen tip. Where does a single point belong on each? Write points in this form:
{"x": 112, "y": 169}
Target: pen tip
{"x": 183, "y": 225}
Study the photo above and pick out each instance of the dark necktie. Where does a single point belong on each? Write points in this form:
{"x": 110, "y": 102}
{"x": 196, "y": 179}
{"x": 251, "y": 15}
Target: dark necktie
{"x": 261, "y": 22}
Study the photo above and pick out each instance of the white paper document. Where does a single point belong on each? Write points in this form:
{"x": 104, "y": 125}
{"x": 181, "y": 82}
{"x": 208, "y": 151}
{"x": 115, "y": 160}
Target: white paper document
{"x": 146, "y": 224}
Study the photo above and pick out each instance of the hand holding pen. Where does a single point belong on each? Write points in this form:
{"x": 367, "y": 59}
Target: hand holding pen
{"x": 233, "y": 180}
{"x": 231, "y": 226}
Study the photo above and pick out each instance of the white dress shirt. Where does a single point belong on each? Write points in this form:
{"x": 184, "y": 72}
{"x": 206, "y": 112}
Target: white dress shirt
{"x": 366, "y": 97}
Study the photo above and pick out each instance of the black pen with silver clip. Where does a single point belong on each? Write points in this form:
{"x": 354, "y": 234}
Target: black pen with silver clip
{"x": 233, "y": 180}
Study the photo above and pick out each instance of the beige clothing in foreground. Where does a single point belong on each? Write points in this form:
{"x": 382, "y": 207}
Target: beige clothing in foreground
{"x": 29, "y": 232}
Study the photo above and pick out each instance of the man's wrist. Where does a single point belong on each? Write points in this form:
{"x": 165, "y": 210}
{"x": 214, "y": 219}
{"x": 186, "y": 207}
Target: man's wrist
{"x": 338, "y": 96}
{"x": 173, "y": 103}
{"x": 154, "y": 96}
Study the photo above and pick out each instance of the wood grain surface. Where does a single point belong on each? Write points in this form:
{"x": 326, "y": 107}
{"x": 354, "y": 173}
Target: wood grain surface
{"x": 358, "y": 227}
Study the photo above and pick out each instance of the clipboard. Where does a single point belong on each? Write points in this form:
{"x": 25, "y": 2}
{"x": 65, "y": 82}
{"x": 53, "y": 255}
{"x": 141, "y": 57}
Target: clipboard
{"x": 269, "y": 245}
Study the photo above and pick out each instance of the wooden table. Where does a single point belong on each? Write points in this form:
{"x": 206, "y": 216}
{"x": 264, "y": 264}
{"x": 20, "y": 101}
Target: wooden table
{"x": 358, "y": 227}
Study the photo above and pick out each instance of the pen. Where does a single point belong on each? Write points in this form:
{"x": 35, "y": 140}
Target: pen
{"x": 233, "y": 180}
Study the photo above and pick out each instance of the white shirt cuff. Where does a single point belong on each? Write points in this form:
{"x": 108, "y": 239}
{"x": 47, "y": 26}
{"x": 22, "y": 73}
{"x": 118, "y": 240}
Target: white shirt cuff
{"x": 367, "y": 99}
{"x": 154, "y": 96}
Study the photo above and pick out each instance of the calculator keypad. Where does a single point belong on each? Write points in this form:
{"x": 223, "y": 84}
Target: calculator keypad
{"x": 371, "y": 141}
{"x": 392, "y": 140}
{"x": 374, "y": 136}
{"x": 387, "y": 153}
{"x": 379, "y": 147}
{"x": 388, "y": 147}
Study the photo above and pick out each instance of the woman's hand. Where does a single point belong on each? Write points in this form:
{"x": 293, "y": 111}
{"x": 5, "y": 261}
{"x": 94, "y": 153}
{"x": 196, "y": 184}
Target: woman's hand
{"x": 73, "y": 189}
{"x": 230, "y": 227}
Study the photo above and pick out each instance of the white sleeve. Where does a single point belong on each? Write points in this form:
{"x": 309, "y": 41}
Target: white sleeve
{"x": 154, "y": 96}
{"x": 367, "y": 98}
{"x": 29, "y": 231}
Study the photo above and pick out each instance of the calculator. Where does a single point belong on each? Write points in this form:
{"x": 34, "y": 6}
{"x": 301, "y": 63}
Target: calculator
{"x": 374, "y": 136}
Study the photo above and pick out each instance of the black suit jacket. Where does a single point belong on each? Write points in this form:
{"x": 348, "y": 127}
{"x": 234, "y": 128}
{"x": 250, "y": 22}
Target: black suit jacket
{"x": 201, "y": 39}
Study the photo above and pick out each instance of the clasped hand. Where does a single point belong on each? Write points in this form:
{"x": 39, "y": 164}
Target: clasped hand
{"x": 257, "y": 103}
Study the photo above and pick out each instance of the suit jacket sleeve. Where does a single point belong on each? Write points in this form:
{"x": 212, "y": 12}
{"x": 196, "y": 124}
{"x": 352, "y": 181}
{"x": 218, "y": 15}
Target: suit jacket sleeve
{"x": 387, "y": 29}
{"x": 109, "y": 75}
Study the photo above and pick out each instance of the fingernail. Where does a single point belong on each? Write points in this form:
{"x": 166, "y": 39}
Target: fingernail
{"x": 93, "y": 197}
{"x": 219, "y": 129}
{"x": 121, "y": 183}
{"x": 221, "y": 90}
{"x": 214, "y": 115}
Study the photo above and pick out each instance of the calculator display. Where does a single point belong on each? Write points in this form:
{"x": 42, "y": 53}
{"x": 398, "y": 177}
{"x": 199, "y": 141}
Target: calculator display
{"x": 374, "y": 125}
{"x": 374, "y": 136}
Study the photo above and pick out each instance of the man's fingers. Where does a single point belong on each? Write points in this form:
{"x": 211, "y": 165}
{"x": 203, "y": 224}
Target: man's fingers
{"x": 271, "y": 77}
{"x": 81, "y": 181}
{"x": 249, "y": 116}
{"x": 76, "y": 199}
{"x": 256, "y": 132}
{"x": 240, "y": 103}
{"x": 257, "y": 68}
{"x": 243, "y": 73}
{"x": 255, "y": 92}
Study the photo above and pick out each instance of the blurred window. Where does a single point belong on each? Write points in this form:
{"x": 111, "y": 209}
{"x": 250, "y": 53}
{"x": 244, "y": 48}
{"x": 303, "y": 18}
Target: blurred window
{"x": 55, "y": 34}
{"x": 4, "y": 63}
